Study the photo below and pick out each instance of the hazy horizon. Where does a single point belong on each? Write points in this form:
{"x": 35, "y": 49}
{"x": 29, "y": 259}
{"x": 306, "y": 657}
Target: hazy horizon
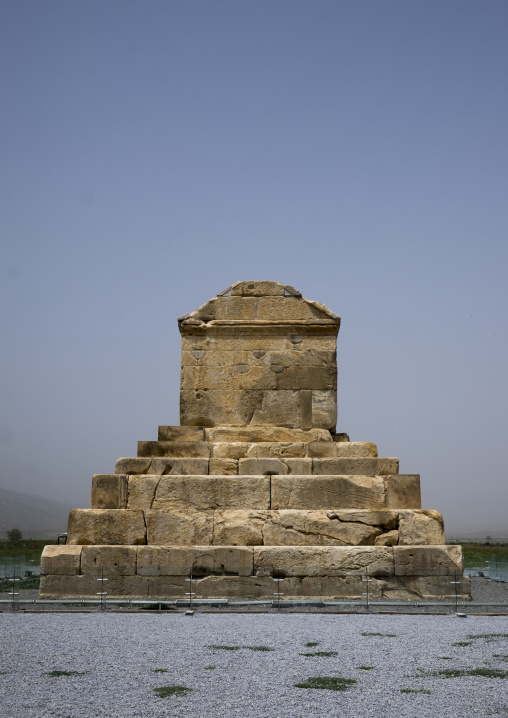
{"x": 155, "y": 154}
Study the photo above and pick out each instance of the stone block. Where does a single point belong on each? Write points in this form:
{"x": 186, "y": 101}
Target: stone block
{"x": 421, "y": 528}
{"x": 390, "y": 538}
{"x": 279, "y": 408}
{"x": 174, "y": 449}
{"x": 166, "y": 528}
{"x": 68, "y": 587}
{"x": 324, "y": 408}
{"x": 325, "y": 587}
{"x": 314, "y": 528}
{"x": 126, "y": 587}
{"x": 269, "y": 434}
{"x": 207, "y": 357}
{"x": 278, "y": 450}
{"x": 403, "y": 491}
{"x": 61, "y": 560}
{"x": 205, "y": 560}
{"x": 65, "y": 586}
{"x": 287, "y": 308}
{"x": 428, "y": 588}
{"x": 365, "y": 467}
{"x": 322, "y": 560}
{"x": 115, "y": 560}
{"x": 202, "y": 493}
{"x": 127, "y": 465}
{"x": 428, "y": 560}
{"x": 327, "y": 492}
{"x": 218, "y": 407}
{"x": 298, "y": 466}
{"x": 234, "y": 587}
{"x": 166, "y": 587}
{"x": 318, "y": 378}
{"x": 237, "y": 308}
{"x": 141, "y": 492}
{"x": 239, "y": 376}
{"x": 234, "y": 450}
{"x": 322, "y": 450}
{"x": 355, "y": 449}
{"x": 260, "y": 289}
{"x": 223, "y": 467}
{"x": 181, "y": 433}
{"x": 310, "y": 357}
{"x": 106, "y": 526}
{"x": 339, "y": 437}
{"x": 178, "y": 467}
{"x": 383, "y": 518}
{"x": 109, "y": 491}
{"x": 159, "y": 466}
{"x": 261, "y": 467}
{"x": 239, "y": 528}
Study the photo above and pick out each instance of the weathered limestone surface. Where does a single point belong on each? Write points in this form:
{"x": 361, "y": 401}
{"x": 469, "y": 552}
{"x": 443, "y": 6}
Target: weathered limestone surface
{"x": 428, "y": 560}
{"x": 420, "y": 527}
{"x": 301, "y": 492}
{"x": 177, "y": 561}
{"x": 179, "y": 528}
{"x": 174, "y": 520}
{"x": 160, "y": 571}
{"x": 109, "y": 491}
{"x": 61, "y": 560}
{"x": 201, "y": 493}
{"x": 259, "y": 360}
{"x": 106, "y": 526}
{"x": 256, "y": 482}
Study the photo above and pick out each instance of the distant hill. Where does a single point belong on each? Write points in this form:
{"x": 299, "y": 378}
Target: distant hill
{"x": 34, "y": 516}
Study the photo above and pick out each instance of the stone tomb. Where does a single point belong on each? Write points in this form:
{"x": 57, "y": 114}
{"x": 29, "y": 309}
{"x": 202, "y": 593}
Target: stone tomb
{"x": 255, "y": 482}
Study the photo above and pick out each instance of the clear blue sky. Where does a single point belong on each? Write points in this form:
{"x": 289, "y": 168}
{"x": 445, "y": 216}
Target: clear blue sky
{"x": 155, "y": 152}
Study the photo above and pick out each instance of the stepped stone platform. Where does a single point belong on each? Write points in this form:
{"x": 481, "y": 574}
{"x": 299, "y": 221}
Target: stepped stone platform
{"x": 256, "y": 483}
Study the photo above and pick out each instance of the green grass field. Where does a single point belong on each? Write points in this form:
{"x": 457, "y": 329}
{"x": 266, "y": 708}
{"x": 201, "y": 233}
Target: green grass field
{"x": 30, "y": 548}
{"x": 478, "y": 553}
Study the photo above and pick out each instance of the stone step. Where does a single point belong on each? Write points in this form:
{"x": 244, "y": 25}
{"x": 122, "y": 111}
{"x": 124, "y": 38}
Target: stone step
{"x": 240, "y": 527}
{"x": 257, "y": 450}
{"x": 249, "y": 434}
{"x": 206, "y": 492}
{"x": 372, "y": 466}
{"x": 229, "y": 571}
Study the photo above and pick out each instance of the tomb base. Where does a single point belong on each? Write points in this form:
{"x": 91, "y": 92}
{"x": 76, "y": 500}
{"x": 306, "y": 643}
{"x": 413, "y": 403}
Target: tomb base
{"x": 325, "y": 572}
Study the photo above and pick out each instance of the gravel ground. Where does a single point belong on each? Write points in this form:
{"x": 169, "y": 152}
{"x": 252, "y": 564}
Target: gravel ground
{"x": 119, "y": 655}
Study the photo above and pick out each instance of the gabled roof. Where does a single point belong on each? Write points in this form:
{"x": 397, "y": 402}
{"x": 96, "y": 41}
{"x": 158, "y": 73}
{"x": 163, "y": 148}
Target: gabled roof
{"x": 260, "y": 303}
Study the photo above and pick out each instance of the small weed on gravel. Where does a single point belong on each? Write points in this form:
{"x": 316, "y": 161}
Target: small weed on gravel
{"x": 208, "y": 668}
{"x": 225, "y": 648}
{"x": 259, "y": 648}
{"x": 160, "y": 670}
{"x": 311, "y": 644}
{"x": 328, "y": 683}
{"x": 445, "y": 658}
{"x": 463, "y": 672}
{"x": 384, "y": 635}
{"x": 489, "y": 637}
{"x": 165, "y": 691}
{"x": 58, "y": 674}
{"x": 415, "y": 690}
{"x": 324, "y": 654}
{"x": 463, "y": 643}
{"x": 364, "y": 668}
